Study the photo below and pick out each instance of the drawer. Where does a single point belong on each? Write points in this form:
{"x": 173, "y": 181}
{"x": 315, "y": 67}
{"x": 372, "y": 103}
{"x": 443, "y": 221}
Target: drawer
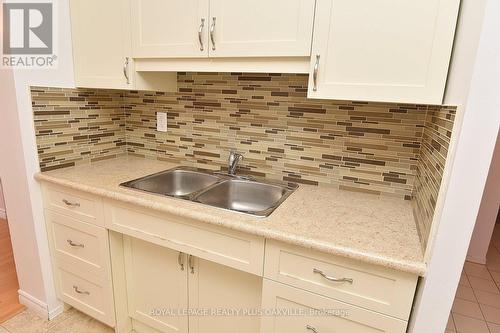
{"x": 235, "y": 249}
{"x": 373, "y": 287}
{"x": 86, "y": 296}
{"x": 76, "y": 204}
{"x": 300, "y": 311}
{"x": 82, "y": 245}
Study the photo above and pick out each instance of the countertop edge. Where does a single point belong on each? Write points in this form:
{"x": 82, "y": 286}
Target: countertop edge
{"x": 416, "y": 268}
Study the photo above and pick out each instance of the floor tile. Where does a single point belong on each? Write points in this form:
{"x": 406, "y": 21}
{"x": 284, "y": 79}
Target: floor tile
{"x": 466, "y": 293}
{"x": 464, "y": 281}
{"x": 483, "y": 285}
{"x": 466, "y": 308}
{"x": 80, "y": 323}
{"x": 27, "y": 322}
{"x": 450, "y": 326}
{"x": 496, "y": 276}
{"x": 491, "y": 314}
{"x": 477, "y": 270}
{"x": 466, "y": 324}
{"x": 3, "y": 330}
{"x": 486, "y": 298}
{"x": 494, "y": 328}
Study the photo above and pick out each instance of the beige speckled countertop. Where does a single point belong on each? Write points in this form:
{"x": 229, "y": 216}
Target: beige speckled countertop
{"x": 374, "y": 229}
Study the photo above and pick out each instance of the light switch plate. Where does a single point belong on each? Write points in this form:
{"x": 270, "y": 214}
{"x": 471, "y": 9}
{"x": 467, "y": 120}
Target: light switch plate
{"x": 161, "y": 121}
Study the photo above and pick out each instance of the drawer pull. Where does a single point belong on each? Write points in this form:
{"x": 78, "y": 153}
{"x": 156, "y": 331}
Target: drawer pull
{"x": 78, "y": 291}
{"x": 180, "y": 259}
{"x": 330, "y": 278}
{"x": 70, "y": 242}
{"x": 71, "y": 204}
{"x": 312, "y": 329}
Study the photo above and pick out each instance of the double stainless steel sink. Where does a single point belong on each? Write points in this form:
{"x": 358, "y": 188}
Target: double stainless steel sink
{"x": 241, "y": 194}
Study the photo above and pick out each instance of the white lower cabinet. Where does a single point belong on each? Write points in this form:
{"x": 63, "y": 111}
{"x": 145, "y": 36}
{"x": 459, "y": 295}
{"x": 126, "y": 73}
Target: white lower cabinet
{"x": 169, "y": 291}
{"x": 156, "y": 282}
{"x": 82, "y": 267}
{"x": 150, "y": 272}
{"x": 222, "y": 295}
{"x": 293, "y": 310}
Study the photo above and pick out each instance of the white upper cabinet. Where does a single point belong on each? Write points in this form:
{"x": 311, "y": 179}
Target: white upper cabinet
{"x": 221, "y": 28}
{"x": 261, "y": 28}
{"x": 382, "y": 50}
{"x": 101, "y": 43}
{"x": 170, "y": 28}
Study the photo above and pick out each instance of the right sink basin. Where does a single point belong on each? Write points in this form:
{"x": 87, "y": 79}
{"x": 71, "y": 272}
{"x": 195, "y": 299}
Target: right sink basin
{"x": 246, "y": 196}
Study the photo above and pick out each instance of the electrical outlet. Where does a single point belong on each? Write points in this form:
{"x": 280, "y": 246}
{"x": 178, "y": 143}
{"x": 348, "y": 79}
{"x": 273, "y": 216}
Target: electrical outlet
{"x": 161, "y": 121}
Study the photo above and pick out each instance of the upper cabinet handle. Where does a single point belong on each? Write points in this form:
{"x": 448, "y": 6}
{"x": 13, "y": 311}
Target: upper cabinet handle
{"x": 191, "y": 263}
{"x": 180, "y": 259}
{"x": 315, "y": 73}
{"x": 212, "y": 32}
{"x": 200, "y": 33}
{"x": 69, "y": 203}
{"x": 330, "y": 278}
{"x": 125, "y": 70}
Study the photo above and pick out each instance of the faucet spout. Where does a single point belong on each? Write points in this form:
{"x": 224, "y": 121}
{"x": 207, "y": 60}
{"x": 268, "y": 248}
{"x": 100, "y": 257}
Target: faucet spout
{"x": 234, "y": 159}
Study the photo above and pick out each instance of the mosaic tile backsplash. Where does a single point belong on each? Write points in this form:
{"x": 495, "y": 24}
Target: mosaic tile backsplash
{"x": 435, "y": 143}
{"x": 378, "y": 148}
{"x": 75, "y": 126}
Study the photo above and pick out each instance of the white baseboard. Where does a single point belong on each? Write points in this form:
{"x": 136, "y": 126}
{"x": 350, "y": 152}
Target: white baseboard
{"x": 56, "y": 312}
{"x": 3, "y": 214}
{"x": 33, "y": 304}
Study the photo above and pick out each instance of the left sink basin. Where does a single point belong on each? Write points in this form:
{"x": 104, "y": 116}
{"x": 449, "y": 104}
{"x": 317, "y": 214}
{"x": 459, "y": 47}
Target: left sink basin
{"x": 174, "y": 182}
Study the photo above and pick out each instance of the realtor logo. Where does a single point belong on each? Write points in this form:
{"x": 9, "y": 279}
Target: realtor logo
{"x": 27, "y": 28}
{"x": 28, "y": 34}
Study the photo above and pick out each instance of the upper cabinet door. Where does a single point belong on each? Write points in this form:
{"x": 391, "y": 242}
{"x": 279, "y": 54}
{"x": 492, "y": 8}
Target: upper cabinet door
{"x": 382, "y": 50}
{"x": 169, "y": 28}
{"x": 261, "y": 28}
{"x": 101, "y": 43}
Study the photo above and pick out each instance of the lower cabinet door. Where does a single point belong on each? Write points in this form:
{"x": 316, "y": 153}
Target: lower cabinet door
{"x": 291, "y": 310}
{"x": 157, "y": 293}
{"x": 223, "y": 299}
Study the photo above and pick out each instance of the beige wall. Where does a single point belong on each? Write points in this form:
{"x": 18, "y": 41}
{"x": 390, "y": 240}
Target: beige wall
{"x": 488, "y": 211}
{"x": 22, "y": 192}
{"x": 2, "y": 202}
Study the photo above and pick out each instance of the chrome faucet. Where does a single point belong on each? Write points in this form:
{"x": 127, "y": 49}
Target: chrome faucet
{"x": 233, "y": 160}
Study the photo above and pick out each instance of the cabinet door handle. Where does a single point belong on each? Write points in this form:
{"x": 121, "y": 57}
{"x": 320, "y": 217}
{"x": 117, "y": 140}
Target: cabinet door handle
{"x": 70, "y": 242}
{"x": 330, "y": 278}
{"x": 125, "y": 70}
{"x": 180, "y": 259}
{"x": 191, "y": 263}
{"x": 312, "y": 329}
{"x": 78, "y": 291}
{"x": 69, "y": 203}
{"x": 212, "y": 33}
{"x": 200, "y": 33}
{"x": 315, "y": 73}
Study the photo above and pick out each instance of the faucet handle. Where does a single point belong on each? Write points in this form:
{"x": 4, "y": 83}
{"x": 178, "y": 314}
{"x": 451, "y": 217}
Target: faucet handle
{"x": 234, "y": 159}
{"x": 234, "y": 156}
